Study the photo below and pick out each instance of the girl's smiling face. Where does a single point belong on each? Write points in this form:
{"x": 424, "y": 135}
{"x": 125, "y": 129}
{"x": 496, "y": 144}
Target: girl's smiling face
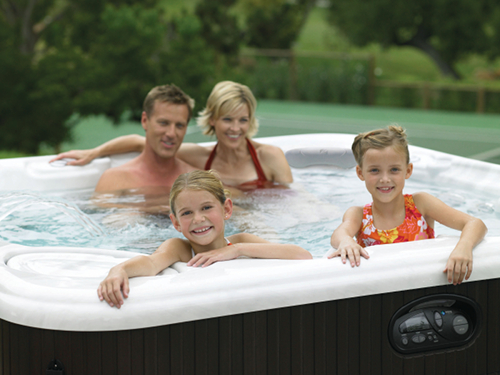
{"x": 384, "y": 172}
{"x": 200, "y": 217}
{"x": 233, "y": 127}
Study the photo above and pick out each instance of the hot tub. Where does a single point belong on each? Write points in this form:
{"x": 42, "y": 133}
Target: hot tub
{"x": 253, "y": 316}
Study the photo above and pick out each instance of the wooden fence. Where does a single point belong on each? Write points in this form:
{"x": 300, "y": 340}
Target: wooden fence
{"x": 425, "y": 88}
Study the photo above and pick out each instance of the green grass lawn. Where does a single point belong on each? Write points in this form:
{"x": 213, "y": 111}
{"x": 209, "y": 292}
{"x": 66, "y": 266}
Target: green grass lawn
{"x": 464, "y": 134}
{"x": 11, "y": 154}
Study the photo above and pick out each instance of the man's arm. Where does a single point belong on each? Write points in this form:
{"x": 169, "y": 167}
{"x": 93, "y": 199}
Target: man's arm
{"x": 125, "y": 143}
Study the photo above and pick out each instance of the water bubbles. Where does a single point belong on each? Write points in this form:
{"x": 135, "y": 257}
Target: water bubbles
{"x": 496, "y": 206}
{"x": 306, "y": 214}
{"x": 440, "y": 164}
{"x": 21, "y": 201}
{"x": 452, "y": 199}
{"x": 481, "y": 208}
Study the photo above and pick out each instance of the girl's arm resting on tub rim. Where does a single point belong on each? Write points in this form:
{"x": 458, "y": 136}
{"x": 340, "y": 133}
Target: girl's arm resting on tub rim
{"x": 119, "y": 145}
{"x": 459, "y": 264}
{"x": 342, "y": 238}
{"x": 115, "y": 287}
{"x": 249, "y": 245}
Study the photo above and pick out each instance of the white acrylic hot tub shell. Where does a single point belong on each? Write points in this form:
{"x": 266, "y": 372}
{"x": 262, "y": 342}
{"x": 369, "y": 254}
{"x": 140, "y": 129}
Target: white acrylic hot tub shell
{"x": 55, "y": 287}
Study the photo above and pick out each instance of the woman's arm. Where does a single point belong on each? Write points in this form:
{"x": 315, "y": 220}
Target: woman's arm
{"x": 117, "y": 281}
{"x": 245, "y": 244}
{"x": 274, "y": 162}
{"x": 342, "y": 238}
{"x": 125, "y": 143}
{"x": 459, "y": 265}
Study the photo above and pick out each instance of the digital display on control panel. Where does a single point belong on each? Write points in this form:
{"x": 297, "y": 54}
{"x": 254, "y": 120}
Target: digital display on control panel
{"x": 416, "y": 323}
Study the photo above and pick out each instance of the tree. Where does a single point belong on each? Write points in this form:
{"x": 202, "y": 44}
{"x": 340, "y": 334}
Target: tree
{"x": 276, "y": 23}
{"x": 445, "y": 30}
{"x": 59, "y": 57}
{"x": 219, "y": 27}
{"x": 34, "y": 97}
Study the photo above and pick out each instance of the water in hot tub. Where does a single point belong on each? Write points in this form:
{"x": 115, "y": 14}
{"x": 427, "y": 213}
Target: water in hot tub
{"x": 306, "y": 214}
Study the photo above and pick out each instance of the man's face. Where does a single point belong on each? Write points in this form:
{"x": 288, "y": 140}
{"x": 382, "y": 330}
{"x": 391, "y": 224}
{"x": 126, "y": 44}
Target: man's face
{"x": 165, "y": 127}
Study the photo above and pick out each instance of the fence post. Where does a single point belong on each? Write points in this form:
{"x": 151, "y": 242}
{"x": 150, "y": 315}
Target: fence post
{"x": 426, "y": 96}
{"x": 480, "y": 100}
{"x": 371, "y": 79}
{"x": 293, "y": 76}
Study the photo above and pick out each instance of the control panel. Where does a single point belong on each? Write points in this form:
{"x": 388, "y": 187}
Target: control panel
{"x": 434, "y": 323}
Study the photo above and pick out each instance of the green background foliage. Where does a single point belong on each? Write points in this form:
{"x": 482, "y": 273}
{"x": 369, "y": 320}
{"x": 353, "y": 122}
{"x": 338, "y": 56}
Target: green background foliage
{"x": 69, "y": 60}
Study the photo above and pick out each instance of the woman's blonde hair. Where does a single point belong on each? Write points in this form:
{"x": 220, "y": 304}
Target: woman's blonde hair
{"x": 225, "y": 98}
{"x": 198, "y": 180}
{"x": 393, "y": 135}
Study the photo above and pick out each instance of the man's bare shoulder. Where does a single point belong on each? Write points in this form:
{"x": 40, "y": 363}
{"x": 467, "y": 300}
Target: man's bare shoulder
{"x": 118, "y": 178}
{"x": 185, "y": 167}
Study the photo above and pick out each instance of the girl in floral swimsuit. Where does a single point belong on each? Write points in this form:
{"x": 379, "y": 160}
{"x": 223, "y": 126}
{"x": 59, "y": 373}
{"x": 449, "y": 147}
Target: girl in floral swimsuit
{"x": 384, "y": 165}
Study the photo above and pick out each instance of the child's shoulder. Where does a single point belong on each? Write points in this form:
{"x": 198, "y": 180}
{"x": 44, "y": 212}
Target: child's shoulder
{"x": 173, "y": 250}
{"x": 423, "y": 201}
{"x": 355, "y": 211}
{"x": 422, "y": 197}
{"x": 245, "y": 238}
{"x": 175, "y": 243}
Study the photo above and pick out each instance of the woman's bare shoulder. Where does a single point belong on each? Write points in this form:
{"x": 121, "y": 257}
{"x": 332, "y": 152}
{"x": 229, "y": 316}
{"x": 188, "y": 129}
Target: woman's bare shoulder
{"x": 268, "y": 152}
{"x": 194, "y": 154}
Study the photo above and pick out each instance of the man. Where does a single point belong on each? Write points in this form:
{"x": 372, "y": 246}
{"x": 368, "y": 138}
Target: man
{"x": 165, "y": 117}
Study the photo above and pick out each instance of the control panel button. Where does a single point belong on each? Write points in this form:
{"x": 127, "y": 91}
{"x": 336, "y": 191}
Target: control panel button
{"x": 404, "y": 340}
{"x": 438, "y": 319}
{"x": 418, "y": 338}
{"x": 459, "y": 320}
{"x": 460, "y": 325}
{"x": 461, "y": 329}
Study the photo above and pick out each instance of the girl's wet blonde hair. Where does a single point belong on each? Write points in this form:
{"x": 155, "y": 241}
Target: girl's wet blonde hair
{"x": 225, "y": 98}
{"x": 393, "y": 135}
{"x": 198, "y": 180}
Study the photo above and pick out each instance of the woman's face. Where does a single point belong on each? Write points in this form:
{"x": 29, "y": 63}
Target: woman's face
{"x": 232, "y": 128}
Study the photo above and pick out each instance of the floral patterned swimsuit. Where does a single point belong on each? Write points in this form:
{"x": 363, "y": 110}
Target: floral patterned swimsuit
{"x": 413, "y": 228}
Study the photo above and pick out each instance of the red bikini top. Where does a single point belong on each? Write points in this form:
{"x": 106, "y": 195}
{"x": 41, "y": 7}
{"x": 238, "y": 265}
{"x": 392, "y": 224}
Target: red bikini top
{"x": 261, "y": 180}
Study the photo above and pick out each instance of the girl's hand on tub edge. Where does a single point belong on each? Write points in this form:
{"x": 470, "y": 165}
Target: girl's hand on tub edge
{"x": 353, "y": 252}
{"x": 112, "y": 286}
{"x": 459, "y": 266}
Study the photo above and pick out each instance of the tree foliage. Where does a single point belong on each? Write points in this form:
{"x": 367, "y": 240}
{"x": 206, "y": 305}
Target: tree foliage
{"x": 276, "y": 23}
{"x": 446, "y": 30}
{"x": 59, "y": 57}
{"x": 219, "y": 26}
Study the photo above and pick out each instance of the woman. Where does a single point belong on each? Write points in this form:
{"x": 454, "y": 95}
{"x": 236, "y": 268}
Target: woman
{"x": 240, "y": 161}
